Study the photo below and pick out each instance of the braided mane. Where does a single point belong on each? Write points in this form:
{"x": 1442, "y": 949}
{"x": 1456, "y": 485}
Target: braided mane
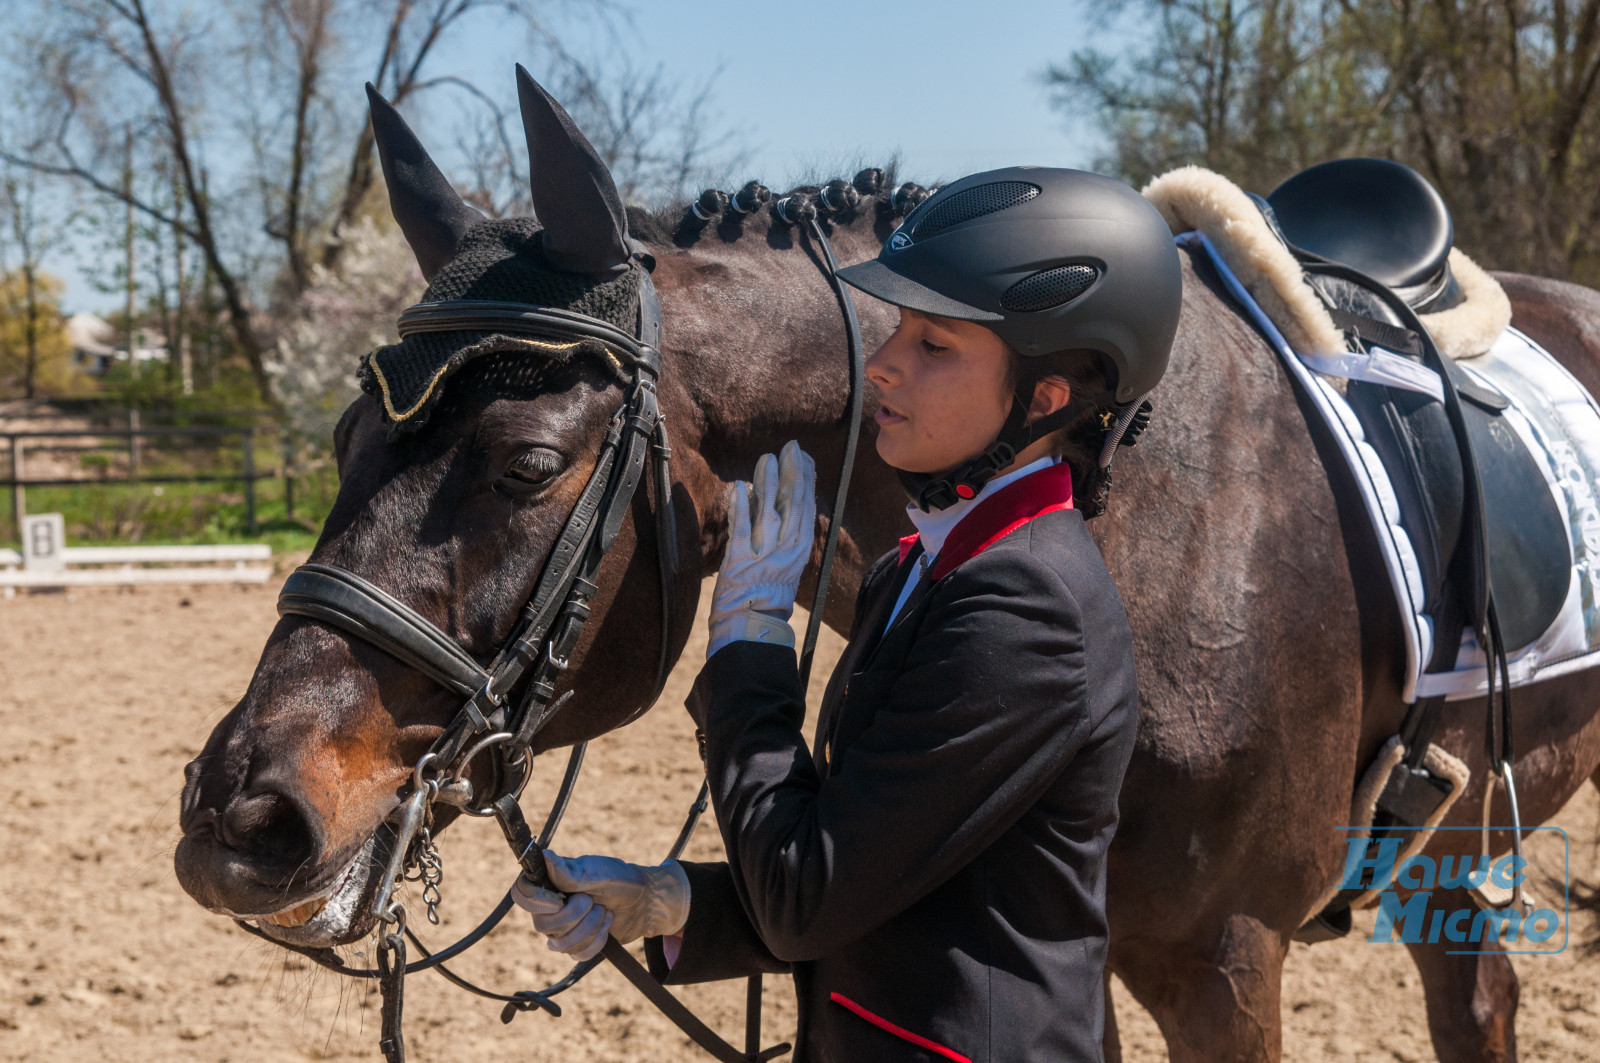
{"x": 870, "y": 194}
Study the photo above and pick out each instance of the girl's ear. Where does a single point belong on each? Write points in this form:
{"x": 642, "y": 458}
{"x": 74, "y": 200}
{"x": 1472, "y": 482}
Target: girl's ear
{"x": 1049, "y": 395}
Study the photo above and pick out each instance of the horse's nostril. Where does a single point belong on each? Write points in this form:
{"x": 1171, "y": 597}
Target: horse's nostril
{"x": 270, "y": 827}
{"x": 197, "y": 822}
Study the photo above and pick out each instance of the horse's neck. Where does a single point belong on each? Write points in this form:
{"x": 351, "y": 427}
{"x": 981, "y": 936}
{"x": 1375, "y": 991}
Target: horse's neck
{"x": 759, "y": 336}
{"x": 756, "y": 355}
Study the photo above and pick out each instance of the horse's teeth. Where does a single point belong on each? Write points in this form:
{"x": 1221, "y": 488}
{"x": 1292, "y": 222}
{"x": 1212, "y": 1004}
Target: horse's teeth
{"x": 298, "y": 915}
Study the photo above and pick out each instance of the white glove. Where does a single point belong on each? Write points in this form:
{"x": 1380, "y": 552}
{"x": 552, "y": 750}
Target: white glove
{"x": 605, "y": 894}
{"x": 770, "y": 526}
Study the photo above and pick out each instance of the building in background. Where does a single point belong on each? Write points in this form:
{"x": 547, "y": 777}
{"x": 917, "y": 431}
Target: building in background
{"x": 93, "y": 349}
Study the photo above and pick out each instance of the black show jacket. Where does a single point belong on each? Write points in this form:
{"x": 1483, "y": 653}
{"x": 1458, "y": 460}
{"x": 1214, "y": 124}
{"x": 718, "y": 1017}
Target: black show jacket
{"x": 934, "y": 874}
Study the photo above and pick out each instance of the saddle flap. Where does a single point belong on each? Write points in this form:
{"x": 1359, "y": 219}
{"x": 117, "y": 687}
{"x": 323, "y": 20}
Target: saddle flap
{"x": 1529, "y": 556}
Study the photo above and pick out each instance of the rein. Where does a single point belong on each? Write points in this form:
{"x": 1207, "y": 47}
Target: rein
{"x": 537, "y": 652}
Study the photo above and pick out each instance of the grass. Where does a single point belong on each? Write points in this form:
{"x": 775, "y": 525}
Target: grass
{"x": 187, "y": 513}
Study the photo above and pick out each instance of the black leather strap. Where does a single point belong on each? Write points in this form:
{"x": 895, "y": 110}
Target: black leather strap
{"x": 1474, "y": 559}
{"x": 474, "y": 315}
{"x": 666, "y": 550}
{"x": 392, "y": 984}
{"x": 1390, "y": 337}
{"x": 1471, "y": 564}
{"x": 561, "y": 566}
{"x": 672, "y": 1008}
{"x": 531, "y": 857}
{"x": 346, "y": 601}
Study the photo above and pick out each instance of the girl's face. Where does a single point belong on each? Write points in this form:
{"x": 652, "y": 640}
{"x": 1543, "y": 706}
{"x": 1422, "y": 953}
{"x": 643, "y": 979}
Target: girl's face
{"x": 944, "y": 386}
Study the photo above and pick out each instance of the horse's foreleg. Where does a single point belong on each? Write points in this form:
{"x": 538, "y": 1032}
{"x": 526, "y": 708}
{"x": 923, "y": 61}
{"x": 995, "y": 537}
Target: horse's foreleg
{"x": 1217, "y": 1001}
{"x": 1472, "y": 999}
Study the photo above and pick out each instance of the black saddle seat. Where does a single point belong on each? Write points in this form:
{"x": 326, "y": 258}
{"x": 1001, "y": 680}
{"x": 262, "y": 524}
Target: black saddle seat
{"x": 1377, "y": 216}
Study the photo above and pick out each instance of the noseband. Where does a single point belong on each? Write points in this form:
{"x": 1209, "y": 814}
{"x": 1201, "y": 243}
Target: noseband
{"x": 537, "y": 652}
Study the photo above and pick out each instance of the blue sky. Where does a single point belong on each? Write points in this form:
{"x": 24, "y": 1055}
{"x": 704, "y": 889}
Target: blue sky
{"x": 823, "y": 85}
{"x": 954, "y": 86}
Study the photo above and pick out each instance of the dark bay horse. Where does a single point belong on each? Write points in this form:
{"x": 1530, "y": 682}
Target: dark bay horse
{"x": 1268, "y": 658}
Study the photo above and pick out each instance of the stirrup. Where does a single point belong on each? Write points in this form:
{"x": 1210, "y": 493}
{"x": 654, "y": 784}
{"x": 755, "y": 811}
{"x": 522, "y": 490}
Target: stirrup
{"x": 1490, "y": 894}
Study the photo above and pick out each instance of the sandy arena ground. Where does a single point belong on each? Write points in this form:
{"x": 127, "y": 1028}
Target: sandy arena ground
{"x": 104, "y": 696}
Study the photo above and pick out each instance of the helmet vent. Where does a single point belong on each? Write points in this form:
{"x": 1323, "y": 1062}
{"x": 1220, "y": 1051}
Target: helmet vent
{"x": 1050, "y": 288}
{"x": 971, "y": 203}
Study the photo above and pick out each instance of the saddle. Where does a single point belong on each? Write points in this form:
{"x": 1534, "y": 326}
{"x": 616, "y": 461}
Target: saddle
{"x": 1334, "y": 269}
{"x": 1380, "y": 217}
{"x": 1391, "y": 228}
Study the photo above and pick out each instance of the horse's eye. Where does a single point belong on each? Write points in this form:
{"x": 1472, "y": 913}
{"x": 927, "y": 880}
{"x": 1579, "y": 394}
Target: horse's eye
{"x": 533, "y": 467}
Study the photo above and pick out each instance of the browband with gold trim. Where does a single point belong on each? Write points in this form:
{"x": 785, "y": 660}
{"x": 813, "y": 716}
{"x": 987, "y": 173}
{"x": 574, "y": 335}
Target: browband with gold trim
{"x": 474, "y": 315}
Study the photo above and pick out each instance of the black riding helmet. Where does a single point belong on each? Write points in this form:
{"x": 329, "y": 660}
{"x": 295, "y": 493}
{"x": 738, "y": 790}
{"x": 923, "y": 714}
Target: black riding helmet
{"x": 1050, "y": 260}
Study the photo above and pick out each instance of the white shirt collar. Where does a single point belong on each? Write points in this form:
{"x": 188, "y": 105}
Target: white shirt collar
{"x": 934, "y": 528}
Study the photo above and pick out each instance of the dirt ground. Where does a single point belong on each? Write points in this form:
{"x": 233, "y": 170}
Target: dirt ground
{"x": 104, "y": 695}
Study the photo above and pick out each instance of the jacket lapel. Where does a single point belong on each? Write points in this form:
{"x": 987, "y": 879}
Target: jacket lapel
{"x": 861, "y": 649}
{"x": 997, "y": 516}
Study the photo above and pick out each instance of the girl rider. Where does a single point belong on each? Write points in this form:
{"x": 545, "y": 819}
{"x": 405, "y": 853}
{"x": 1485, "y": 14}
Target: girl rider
{"x": 932, "y": 870}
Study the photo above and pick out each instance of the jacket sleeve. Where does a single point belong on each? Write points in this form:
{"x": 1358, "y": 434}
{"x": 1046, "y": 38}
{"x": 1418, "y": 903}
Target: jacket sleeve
{"x": 719, "y": 940}
{"x": 988, "y": 709}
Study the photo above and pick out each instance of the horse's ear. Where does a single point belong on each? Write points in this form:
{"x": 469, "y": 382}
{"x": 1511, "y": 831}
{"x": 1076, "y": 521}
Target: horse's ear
{"x": 430, "y": 213}
{"x": 574, "y": 198}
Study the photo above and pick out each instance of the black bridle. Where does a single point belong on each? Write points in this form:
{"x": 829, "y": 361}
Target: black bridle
{"x": 537, "y": 652}
{"x": 550, "y": 624}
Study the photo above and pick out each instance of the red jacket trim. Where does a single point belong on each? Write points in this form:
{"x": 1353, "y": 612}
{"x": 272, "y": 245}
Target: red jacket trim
{"x": 999, "y": 515}
{"x": 903, "y": 1034}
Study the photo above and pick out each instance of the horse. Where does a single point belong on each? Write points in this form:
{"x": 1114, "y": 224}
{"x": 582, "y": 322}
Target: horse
{"x": 1267, "y": 653}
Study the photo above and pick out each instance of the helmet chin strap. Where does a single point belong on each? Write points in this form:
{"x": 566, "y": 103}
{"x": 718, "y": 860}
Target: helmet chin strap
{"x": 935, "y": 491}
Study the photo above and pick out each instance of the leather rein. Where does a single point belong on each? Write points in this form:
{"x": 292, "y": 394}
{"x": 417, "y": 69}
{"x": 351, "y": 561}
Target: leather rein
{"x": 537, "y": 652}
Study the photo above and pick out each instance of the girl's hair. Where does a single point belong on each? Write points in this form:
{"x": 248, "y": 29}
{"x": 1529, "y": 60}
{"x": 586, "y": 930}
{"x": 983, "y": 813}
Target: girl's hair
{"x": 1093, "y": 384}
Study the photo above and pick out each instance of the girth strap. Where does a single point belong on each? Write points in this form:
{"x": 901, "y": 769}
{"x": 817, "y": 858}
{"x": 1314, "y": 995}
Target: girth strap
{"x": 346, "y": 601}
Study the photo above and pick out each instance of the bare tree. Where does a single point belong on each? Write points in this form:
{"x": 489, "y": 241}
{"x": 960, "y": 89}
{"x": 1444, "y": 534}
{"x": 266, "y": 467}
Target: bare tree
{"x": 27, "y": 233}
{"x": 411, "y": 31}
{"x": 32, "y": 226}
{"x": 654, "y": 134}
{"x": 124, "y": 36}
{"x": 233, "y": 118}
{"x": 292, "y": 48}
{"x": 1496, "y": 101}
{"x": 154, "y": 65}
{"x": 657, "y": 135}
{"x": 1246, "y": 87}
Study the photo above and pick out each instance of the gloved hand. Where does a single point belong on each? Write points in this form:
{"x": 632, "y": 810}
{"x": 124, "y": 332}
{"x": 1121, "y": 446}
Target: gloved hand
{"x": 770, "y": 526}
{"x": 604, "y": 895}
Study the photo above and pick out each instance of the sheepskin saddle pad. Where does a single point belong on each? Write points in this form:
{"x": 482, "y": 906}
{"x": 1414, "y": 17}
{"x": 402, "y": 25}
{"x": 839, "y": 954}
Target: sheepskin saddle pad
{"x": 1379, "y": 217}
